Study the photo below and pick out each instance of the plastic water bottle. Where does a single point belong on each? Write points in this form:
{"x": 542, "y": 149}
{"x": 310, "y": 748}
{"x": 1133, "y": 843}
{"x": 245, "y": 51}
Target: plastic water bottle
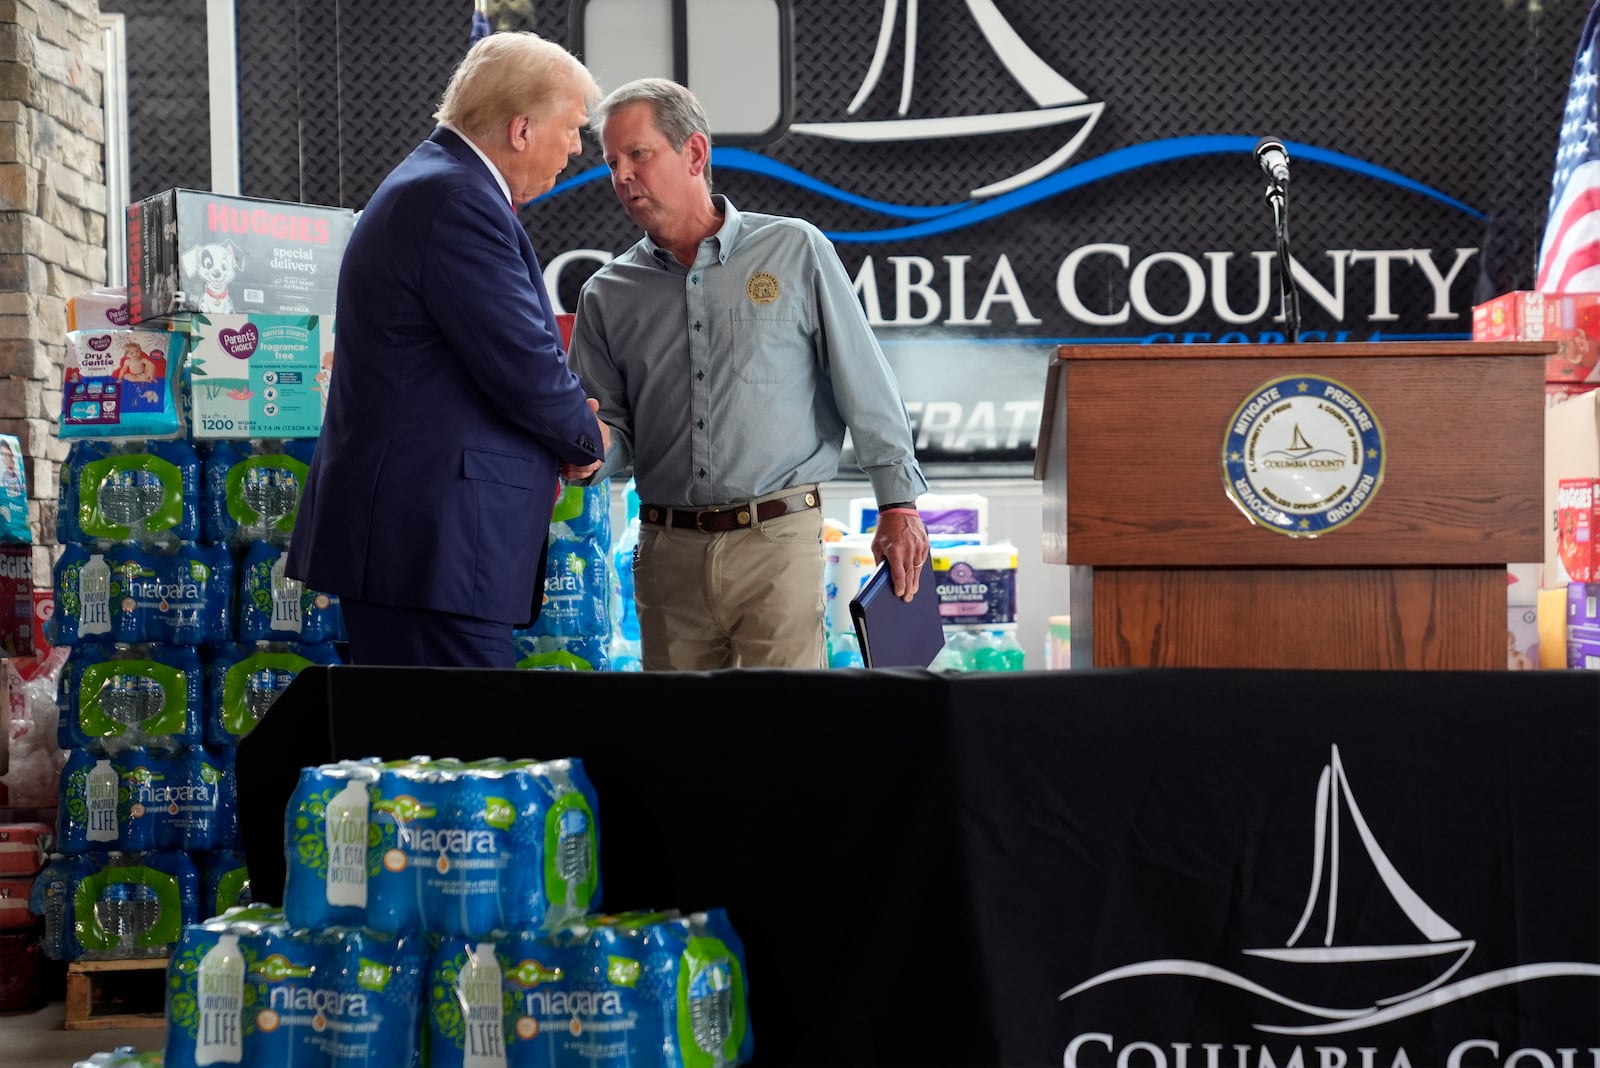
{"x": 111, "y": 911}
{"x": 627, "y": 614}
{"x": 985, "y": 654}
{"x": 1001, "y": 651}
{"x": 625, "y": 654}
{"x": 141, "y": 912}
{"x": 844, "y": 651}
{"x": 959, "y": 652}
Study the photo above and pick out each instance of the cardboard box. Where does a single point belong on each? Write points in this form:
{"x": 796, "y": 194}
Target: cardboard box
{"x": 44, "y": 607}
{"x": 1571, "y": 450}
{"x": 1522, "y": 637}
{"x": 1553, "y": 627}
{"x": 1556, "y": 392}
{"x": 1583, "y": 604}
{"x": 192, "y": 251}
{"x": 1523, "y": 582}
{"x": 16, "y": 600}
{"x": 1583, "y": 648}
{"x": 1576, "y": 528}
{"x": 1570, "y": 319}
{"x": 259, "y": 376}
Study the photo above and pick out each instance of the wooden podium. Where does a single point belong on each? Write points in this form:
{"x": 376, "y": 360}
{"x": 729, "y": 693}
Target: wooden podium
{"x": 1169, "y": 571}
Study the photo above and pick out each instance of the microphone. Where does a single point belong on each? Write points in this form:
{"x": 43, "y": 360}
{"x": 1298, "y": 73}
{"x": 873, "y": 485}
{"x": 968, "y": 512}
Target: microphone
{"x": 1274, "y": 159}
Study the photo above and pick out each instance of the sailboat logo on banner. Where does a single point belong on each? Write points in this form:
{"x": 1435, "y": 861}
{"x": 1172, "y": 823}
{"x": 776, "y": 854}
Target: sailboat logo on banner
{"x": 1388, "y": 981}
{"x": 1058, "y": 101}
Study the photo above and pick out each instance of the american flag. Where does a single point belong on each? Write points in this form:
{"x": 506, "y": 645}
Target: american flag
{"x": 480, "y": 24}
{"x": 1569, "y": 255}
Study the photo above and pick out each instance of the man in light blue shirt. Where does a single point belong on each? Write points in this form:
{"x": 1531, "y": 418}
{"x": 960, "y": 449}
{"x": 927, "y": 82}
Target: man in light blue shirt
{"x": 729, "y": 356}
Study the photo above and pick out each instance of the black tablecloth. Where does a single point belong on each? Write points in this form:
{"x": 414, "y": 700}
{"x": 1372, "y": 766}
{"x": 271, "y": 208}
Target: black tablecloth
{"x": 921, "y": 865}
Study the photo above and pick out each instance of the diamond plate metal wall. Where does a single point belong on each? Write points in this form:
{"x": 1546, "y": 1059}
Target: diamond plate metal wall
{"x": 1422, "y": 129}
{"x": 169, "y": 133}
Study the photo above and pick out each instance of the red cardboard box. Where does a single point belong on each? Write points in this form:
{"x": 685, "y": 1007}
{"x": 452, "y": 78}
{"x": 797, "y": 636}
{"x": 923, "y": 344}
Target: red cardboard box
{"x": 1575, "y": 527}
{"x": 14, "y": 894}
{"x": 1570, "y": 319}
{"x": 21, "y": 970}
{"x": 23, "y": 848}
{"x": 44, "y": 606}
{"x": 16, "y": 600}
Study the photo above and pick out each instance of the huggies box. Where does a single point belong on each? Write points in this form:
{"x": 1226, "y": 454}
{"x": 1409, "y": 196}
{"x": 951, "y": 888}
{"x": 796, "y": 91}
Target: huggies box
{"x": 193, "y": 251}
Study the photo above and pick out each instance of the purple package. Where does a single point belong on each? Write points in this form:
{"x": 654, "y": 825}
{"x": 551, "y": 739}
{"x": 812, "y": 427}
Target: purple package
{"x": 1583, "y": 604}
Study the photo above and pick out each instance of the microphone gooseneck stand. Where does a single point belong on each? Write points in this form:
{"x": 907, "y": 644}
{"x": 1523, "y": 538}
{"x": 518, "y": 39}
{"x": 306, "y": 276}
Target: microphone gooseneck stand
{"x": 1278, "y": 197}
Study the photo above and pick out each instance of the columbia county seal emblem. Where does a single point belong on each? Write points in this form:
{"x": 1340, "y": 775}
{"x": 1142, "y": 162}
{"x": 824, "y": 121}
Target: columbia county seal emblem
{"x": 1303, "y": 455}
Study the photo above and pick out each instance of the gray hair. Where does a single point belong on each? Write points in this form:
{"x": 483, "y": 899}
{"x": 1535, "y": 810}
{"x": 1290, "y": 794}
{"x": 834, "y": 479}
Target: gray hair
{"x": 678, "y": 112}
{"x": 510, "y": 74}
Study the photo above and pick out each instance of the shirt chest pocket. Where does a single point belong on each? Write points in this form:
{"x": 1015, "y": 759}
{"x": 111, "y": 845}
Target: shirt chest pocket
{"x": 769, "y": 346}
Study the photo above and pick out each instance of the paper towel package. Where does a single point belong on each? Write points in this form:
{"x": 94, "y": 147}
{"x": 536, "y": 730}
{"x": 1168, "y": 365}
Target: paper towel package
{"x": 847, "y": 566}
{"x": 942, "y": 513}
{"x": 977, "y": 584}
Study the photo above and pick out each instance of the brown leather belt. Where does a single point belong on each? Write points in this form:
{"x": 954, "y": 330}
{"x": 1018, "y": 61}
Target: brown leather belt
{"x": 727, "y": 517}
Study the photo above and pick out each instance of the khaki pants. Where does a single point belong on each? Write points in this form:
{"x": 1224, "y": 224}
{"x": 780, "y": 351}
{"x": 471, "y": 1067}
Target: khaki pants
{"x": 744, "y": 598}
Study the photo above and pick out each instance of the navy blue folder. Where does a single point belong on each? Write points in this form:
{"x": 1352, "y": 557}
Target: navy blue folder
{"x": 891, "y": 632}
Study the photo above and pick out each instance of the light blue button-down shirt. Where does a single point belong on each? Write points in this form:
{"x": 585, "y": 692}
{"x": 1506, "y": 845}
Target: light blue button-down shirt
{"x": 738, "y": 376}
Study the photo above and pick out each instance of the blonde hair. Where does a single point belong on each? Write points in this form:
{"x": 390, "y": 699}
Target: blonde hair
{"x": 510, "y": 74}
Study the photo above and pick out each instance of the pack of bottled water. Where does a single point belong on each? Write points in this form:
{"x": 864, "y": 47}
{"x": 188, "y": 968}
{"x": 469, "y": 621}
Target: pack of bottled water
{"x": 143, "y": 492}
{"x": 442, "y": 846}
{"x": 115, "y": 905}
{"x": 246, "y": 988}
{"x": 625, "y": 645}
{"x": 658, "y": 989}
{"x": 136, "y": 799}
{"x": 182, "y": 543}
{"x": 661, "y": 990}
{"x": 251, "y": 490}
{"x": 121, "y": 1057}
{"x": 573, "y": 631}
{"x": 243, "y": 679}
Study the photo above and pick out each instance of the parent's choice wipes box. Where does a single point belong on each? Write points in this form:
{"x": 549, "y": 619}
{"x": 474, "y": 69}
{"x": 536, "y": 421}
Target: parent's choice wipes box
{"x": 260, "y": 376}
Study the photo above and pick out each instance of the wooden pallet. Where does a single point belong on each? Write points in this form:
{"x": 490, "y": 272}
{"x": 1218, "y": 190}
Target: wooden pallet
{"x": 116, "y": 993}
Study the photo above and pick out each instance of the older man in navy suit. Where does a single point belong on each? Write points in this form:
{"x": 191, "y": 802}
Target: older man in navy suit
{"x": 451, "y": 410}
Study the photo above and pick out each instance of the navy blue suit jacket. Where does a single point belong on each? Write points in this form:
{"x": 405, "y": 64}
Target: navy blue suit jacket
{"x": 451, "y": 403}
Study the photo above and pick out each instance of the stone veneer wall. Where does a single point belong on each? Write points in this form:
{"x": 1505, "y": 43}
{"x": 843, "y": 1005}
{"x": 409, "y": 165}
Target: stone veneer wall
{"x": 52, "y": 225}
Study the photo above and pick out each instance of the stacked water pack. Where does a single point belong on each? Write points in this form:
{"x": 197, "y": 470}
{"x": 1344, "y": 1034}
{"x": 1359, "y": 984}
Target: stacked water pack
{"x": 180, "y": 635}
{"x": 442, "y": 846}
{"x": 247, "y": 988}
{"x": 144, "y": 809}
{"x": 385, "y": 861}
{"x": 573, "y": 631}
{"x": 251, "y": 497}
{"x": 659, "y": 990}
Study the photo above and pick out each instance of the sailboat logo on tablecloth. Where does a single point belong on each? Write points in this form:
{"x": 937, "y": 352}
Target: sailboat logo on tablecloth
{"x": 1401, "y": 979}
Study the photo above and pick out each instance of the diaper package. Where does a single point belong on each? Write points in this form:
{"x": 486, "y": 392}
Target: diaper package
{"x": 121, "y": 383}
